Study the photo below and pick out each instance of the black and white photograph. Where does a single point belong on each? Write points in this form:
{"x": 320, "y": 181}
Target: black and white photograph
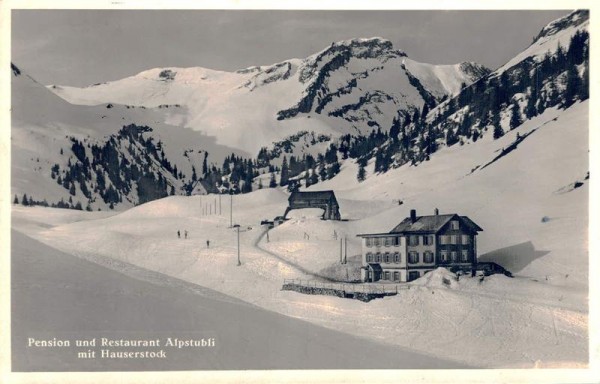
{"x": 339, "y": 190}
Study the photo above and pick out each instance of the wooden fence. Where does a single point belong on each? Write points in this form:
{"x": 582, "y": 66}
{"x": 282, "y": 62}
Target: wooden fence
{"x": 363, "y": 292}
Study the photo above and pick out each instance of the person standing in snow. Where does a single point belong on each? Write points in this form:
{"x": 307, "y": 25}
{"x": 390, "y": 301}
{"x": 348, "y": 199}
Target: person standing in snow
{"x": 178, "y": 234}
{"x": 185, "y": 233}
{"x": 207, "y": 244}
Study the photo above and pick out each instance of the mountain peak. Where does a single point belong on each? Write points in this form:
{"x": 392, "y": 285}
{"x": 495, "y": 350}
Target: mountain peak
{"x": 573, "y": 19}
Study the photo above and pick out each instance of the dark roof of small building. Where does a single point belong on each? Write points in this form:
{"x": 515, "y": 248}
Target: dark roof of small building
{"x": 312, "y": 195}
{"x": 432, "y": 224}
{"x": 376, "y": 267}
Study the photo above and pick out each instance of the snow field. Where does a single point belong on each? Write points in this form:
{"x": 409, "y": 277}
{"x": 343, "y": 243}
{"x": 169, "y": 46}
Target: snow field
{"x": 500, "y": 322}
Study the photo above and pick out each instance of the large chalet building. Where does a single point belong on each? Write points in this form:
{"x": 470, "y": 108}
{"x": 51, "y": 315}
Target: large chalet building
{"x": 315, "y": 199}
{"x": 418, "y": 245}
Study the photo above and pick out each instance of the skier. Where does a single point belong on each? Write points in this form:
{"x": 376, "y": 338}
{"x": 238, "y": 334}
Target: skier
{"x": 178, "y": 234}
{"x": 185, "y": 233}
{"x": 207, "y": 244}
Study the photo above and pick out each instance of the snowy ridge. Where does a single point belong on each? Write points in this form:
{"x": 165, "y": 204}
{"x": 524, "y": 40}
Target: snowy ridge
{"x": 554, "y": 34}
{"x": 253, "y": 107}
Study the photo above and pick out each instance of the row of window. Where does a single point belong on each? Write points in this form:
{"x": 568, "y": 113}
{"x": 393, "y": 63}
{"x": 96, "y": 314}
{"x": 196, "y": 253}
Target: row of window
{"x": 414, "y": 257}
{"x": 379, "y": 241}
{"x": 447, "y": 256}
{"x": 383, "y": 258}
{"x": 395, "y": 276}
{"x": 455, "y": 239}
{"x": 392, "y": 276}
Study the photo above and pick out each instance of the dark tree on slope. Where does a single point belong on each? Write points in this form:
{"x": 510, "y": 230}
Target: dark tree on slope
{"x": 573, "y": 86}
{"x": 515, "y": 118}
{"x": 284, "y": 173}
{"x": 362, "y": 173}
{"x": 273, "y": 181}
{"x": 495, "y": 122}
{"x": 204, "y": 164}
{"x": 16, "y": 200}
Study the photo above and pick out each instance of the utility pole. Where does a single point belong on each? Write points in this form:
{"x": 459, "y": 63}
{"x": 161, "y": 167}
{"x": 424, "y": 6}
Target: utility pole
{"x": 341, "y": 251}
{"x": 237, "y": 227}
{"x": 231, "y": 210}
{"x": 220, "y": 194}
{"x": 345, "y": 250}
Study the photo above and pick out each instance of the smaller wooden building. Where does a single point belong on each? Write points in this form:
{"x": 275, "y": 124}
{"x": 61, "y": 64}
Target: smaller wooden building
{"x": 315, "y": 199}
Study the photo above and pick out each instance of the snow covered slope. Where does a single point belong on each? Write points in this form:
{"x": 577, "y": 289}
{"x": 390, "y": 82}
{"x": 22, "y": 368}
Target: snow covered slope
{"x": 44, "y": 126}
{"x": 534, "y": 224}
{"x": 350, "y": 86}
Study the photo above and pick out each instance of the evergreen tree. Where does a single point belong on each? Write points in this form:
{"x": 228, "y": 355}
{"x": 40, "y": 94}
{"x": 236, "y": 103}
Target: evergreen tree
{"x": 205, "y": 164}
{"x": 88, "y": 207}
{"x": 495, "y": 122}
{"x": 573, "y": 87}
{"x": 25, "y": 200}
{"x": 260, "y": 184}
{"x": 362, "y": 173}
{"x": 515, "y": 118}
{"x": 530, "y": 109}
{"x": 584, "y": 93}
{"x": 322, "y": 171}
{"x": 16, "y": 200}
{"x": 78, "y": 206}
{"x": 72, "y": 189}
{"x": 273, "y": 181}
{"x": 314, "y": 178}
{"x": 284, "y": 180}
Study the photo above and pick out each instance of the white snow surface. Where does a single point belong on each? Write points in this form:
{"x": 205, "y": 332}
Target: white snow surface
{"x": 240, "y": 108}
{"x": 537, "y": 319}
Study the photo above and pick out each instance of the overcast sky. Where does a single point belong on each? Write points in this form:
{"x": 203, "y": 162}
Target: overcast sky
{"x": 82, "y": 47}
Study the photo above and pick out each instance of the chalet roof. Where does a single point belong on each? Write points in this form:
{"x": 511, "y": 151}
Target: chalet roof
{"x": 312, "y": 196}
{"x": 432, "y": 224}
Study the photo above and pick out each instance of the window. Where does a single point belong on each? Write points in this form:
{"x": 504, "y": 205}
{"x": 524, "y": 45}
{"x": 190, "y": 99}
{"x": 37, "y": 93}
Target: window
{"x": 428, "y": 240}
{"x": 413, "y": 240}
{"x": 378, "y": 257}
{"x": 397, "y": 241}
{"x": 444, "y": 256}
{"x": 377, "y": 241}
{"x": 388, "y": 241}
{"x": 369, "y": 257}
{"x": 369, "y": 242}
{"x": 428, "y": 257}
{"x": 413, "y": 257}
{"x": 465, "y": 255}
{"x": 396, "y": 257}
{"x": 454, "y": 256}
{"x": 386, "y": 275}
{"x": 413, "y": 275}
{"x": 387, "y": 257}
{"x": 465, "y": 239}
{"x": 444, "y": 239}
{"x": 453, "y": 239}
{"x": 454, "y": 224}
{"x": 396, "y": 276}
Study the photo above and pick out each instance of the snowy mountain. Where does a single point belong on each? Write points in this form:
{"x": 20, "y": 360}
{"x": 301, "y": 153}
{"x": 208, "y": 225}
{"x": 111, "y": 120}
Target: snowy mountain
{"x": 100, "y": 156}
{"x": 349, "y": 87}
{"x": 184, "y": 130}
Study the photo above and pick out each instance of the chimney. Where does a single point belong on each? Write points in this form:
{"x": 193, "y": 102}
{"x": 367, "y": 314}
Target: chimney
{"x": 413, "y": 215}
{"x": 437, "y": 211}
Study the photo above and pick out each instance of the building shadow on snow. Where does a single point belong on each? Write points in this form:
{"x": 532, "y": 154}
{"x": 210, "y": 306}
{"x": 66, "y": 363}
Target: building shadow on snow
{"x": 514, "y": 258}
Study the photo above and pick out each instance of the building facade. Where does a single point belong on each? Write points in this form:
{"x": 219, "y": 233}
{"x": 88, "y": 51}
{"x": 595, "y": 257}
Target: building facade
{"x": 315, "y": 199}
{"x": 419, "y": 244}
